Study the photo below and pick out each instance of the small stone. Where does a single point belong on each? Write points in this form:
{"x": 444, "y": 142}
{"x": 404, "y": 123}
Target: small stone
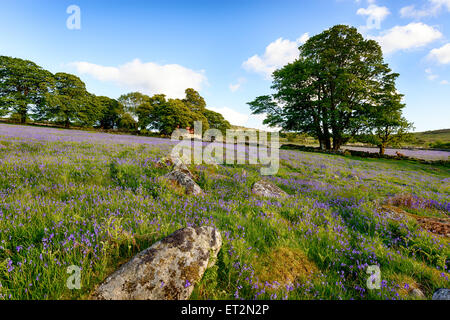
{"x": 168, "y": 270}
{"x": 441, "y": 294}
{"x": 417, "y": 293}
{"x": 265, "y": 188}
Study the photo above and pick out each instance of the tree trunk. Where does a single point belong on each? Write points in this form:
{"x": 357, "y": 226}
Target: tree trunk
{"x": 23, "y": 114}
{"x": 23, "y": 117}
{"x": 325, "y": 143}
{"x": 322, "y": 143}
{"x": 24, "y": 110}
{"x": 326, "y": 130}
{"x": 337, "y": 143}
{"x": 382, "y": 149}
{"x": 328, "y": 143}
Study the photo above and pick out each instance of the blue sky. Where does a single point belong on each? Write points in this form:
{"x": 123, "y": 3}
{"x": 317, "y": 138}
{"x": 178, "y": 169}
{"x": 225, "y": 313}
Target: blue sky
{"x": 227, "y": 49}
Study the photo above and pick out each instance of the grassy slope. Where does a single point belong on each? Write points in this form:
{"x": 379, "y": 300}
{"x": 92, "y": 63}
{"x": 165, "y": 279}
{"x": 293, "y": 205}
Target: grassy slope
{"x": 97, "y": 205}
{"x": 422, "y": 139}
{"x": 429, "y": 137}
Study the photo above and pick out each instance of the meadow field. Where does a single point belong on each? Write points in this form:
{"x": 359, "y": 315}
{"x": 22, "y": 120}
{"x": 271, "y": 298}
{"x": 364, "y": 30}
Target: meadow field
{"x": 94, "y": 200}
{"x": 413, "y": 153}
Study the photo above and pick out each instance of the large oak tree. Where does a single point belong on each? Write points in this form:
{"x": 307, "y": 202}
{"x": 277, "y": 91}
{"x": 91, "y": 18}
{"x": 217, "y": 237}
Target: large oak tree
{"x": 329, "y": 92}
{"x": 23, "y": 86}
{"x": 72, "y": 103}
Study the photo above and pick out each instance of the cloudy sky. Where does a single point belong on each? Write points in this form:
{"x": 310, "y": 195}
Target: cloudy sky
{"x": 227, "y": 50}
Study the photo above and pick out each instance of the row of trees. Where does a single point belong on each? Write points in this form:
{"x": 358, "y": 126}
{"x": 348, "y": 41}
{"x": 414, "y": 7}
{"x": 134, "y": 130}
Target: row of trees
{"x": 338, "y": 89}
{"x": 28, "y": 91}
{"x": 165, "y": 115}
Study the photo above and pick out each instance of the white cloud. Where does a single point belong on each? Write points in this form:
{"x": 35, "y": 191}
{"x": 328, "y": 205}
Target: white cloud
{"x": 441, "y": 55}
{"x": 375, "y": 15}
{"x": 252, "y": 121}
{"x": 149, "y": 78}
{"x": 304, "y": 37}
{"x": 277, "y": 54}
{"x": 430, "y": 75}
{"x": 444, "y": 82}
{"x": 433, "y": 8}
{"x": 256, "y": 122}
{"x": 234, "y": 87}
{"x": 234, "y": 117}
{"x": 237, "y": 85}
{"x": 411, "y": 36}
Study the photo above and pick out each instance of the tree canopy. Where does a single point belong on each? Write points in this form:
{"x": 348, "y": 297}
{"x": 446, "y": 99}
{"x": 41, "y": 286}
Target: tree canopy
{"x": 387, "y": 126}
{"x": 132, "y": 101}
{"x": 194, "y": 101}
{"x": 166, "y": 115}
{"x": 23, "y": 84}
{"x": 71, "y": 102}
{"x": 112, "y": 112}
{"x": 216, "y": 121}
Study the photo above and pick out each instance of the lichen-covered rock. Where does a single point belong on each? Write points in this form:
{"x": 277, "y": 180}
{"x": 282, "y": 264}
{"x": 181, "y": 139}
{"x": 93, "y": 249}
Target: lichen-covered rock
{"x": 173, "y": 163}
{"x": 440, "y": 226}
{"x": 441, "y": 294}
{"x": 265, "y": 188}
{"x": 186, "y": 180}
{"x": 168, "y": 270}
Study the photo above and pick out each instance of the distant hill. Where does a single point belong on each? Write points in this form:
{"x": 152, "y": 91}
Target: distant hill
{"x": 233, "y": 127}
{"x": 428, "y": 138}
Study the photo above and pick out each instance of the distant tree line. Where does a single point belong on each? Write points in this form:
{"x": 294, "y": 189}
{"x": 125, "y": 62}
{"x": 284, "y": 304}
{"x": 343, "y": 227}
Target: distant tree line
{"x": 27, "y": 91}
{"x": 338, "y": 89}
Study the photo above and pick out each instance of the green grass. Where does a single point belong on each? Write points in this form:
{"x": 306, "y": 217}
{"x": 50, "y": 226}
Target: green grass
{"x": 96, "y": 205}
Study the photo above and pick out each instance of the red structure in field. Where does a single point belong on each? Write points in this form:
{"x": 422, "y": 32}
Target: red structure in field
{"x": 188, "y": 129}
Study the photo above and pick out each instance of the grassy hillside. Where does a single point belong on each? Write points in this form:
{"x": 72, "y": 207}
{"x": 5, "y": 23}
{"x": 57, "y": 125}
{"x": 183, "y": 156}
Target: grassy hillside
{"x": 95, "y": 200}
{"x": 429, "y": 138}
